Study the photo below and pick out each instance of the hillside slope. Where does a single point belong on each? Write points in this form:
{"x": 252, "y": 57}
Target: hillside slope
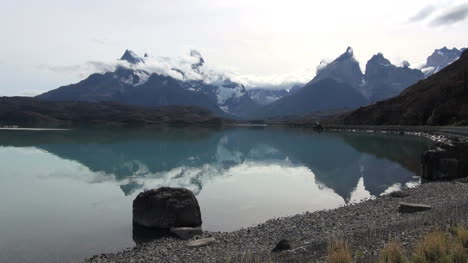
{"x": 321, "y": 95}
{"x": 31, "y": 112}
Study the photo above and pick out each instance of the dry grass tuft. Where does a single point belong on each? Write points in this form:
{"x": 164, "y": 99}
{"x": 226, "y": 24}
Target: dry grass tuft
{"x": 339, "y": 252}
{"x": 461, "y": 235}
{"x": 459, "y": 254}
{"x": 392, "y": 253}
{"x": 439, "y": 247}
{"x": 434, "y": 247}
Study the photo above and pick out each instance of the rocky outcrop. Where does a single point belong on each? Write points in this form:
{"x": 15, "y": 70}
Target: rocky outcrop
{"x": 166, "y": 207}
{"x": 445, "y": 162}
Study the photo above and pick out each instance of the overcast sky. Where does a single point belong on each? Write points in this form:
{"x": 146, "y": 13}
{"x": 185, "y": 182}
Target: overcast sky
{"x": 49, "y": 43}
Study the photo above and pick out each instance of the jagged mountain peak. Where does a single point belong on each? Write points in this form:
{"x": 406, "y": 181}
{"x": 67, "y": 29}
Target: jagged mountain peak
{"x": 379, "y": 59}
{"x": 349, "y": 54}
{"x": 131, "y": 57}
{"x": 422, "y": 103}
{"x": 383, "y": 79}
{"x": 445, "y": 49}
{"x": 344, "y": 69}
{"x": 439, "y": 59}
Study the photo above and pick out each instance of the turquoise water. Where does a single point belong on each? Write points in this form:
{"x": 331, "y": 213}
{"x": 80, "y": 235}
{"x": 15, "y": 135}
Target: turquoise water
{"x": 67, "y": 194}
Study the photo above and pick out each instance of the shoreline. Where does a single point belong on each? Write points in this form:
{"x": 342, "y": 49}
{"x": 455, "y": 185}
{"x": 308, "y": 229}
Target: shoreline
{"x": 367, "y": 225}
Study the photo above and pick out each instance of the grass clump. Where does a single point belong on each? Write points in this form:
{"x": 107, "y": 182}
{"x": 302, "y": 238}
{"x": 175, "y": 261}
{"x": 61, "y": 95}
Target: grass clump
{"x": 392, "y": 253}
{"x": 440, "y": 247}
{"x": 339, "y": 252}
{"x": 461, "y": 234}
{"x": 434, "y": 247}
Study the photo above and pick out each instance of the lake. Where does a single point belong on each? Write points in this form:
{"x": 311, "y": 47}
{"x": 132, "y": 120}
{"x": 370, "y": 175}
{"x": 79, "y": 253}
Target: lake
{"x": 67, "y": 194}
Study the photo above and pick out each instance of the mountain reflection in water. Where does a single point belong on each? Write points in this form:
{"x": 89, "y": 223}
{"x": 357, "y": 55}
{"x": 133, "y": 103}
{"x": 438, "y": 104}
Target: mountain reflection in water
{"x": 142, "y": 159}
{"x": 78, "y": 185}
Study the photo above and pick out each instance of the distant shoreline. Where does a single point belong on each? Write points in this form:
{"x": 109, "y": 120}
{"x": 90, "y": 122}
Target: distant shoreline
{"x": 33, "y": 129}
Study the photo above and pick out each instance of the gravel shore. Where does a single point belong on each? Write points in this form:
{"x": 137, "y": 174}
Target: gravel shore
{"x": 367, "y": 226}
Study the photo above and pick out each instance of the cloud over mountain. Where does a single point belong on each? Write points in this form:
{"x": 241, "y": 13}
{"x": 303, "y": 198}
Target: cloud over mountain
{"x": 189, "y": 67}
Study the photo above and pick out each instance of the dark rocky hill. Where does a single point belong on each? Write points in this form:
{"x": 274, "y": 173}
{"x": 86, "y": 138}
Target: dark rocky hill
{"x": 32, "y": 112}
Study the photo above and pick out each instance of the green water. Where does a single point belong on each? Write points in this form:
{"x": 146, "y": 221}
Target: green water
{"x": 66, "y": 195}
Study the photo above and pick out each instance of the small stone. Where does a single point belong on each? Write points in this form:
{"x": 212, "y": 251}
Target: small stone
{"x": 281, "y": 246}
{"x": 399, "y": 194}
{"x": 201, "y": 242}
{"x": 412, "y": 208}
{"x": 186, "y": 232}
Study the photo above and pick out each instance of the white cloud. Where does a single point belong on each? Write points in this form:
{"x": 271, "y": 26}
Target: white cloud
{"x": 261, "y": 39}
{"x": 181, "y": 68}
{"x": 423, "y": 13}
{"x": 442, "y": 13}
{"x": 452, "y": 15}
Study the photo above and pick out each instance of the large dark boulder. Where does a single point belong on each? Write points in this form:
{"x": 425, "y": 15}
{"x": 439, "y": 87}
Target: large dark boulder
{"x": 166, "y": 207}
{"x": 446, "y": 162}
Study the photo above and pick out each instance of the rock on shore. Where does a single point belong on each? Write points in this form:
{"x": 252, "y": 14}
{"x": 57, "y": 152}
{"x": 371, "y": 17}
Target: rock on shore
{"x": 367, "y": 226}
{"x": 446, "y": 162}
{"x": 166, "y": 207}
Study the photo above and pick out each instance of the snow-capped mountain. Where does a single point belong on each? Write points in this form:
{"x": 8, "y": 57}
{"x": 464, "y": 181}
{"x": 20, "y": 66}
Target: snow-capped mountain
{"x": 335, "y": 86}
{"x": 266, "y": 96}
{"x": 159, "y": 82}
{"x": 131, "y": 57}
{"x": 439, "y": 59}
{"x": 342, "y": 85}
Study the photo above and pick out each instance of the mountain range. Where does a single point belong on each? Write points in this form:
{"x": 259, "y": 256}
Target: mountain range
{"x": 339, "y": 85}
{"x": 441, "y": 99}
{"x": 342, "y": 85}
{"x": 137, "y": 158}
{"x": 266, "y": 96}
{"x": 131, "y": 84}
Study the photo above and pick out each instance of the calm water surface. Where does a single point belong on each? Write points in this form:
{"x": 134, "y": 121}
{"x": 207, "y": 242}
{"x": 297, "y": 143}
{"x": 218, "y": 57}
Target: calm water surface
{"x": 66, "y": 195}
